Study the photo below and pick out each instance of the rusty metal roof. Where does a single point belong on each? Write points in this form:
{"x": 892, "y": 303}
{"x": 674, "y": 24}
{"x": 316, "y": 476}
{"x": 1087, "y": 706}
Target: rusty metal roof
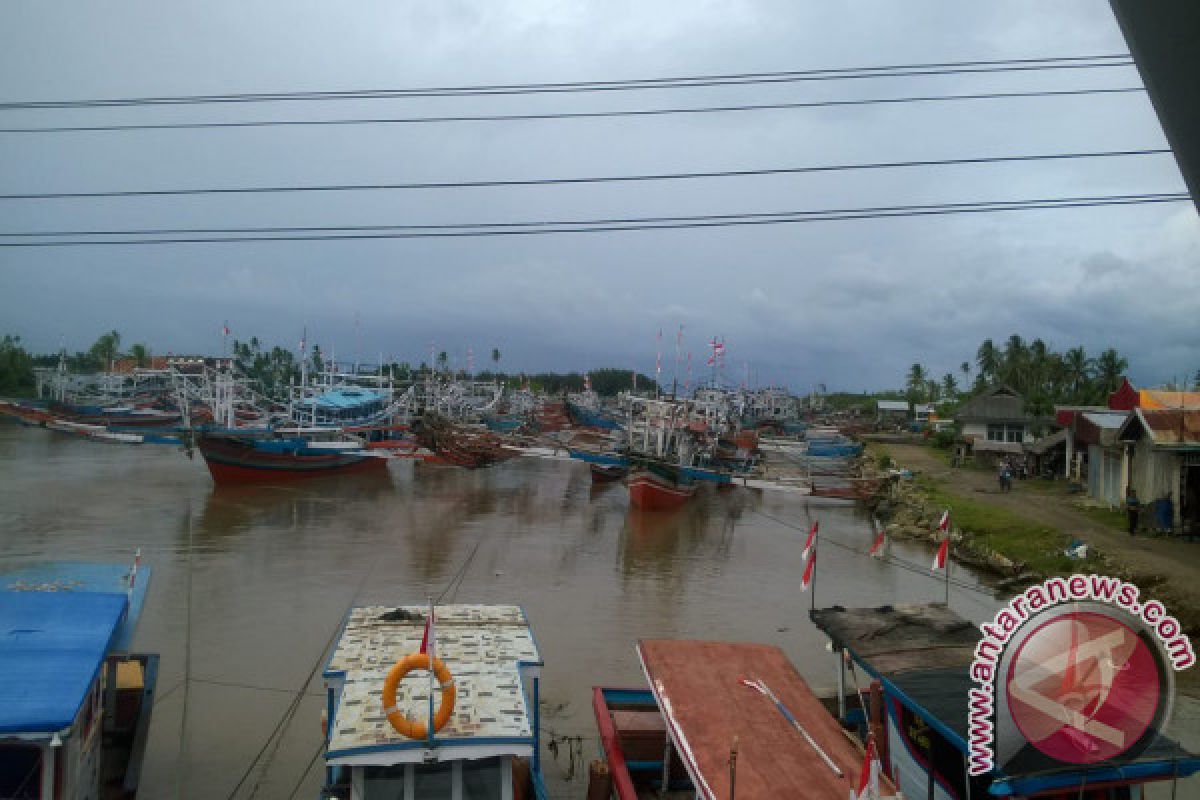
{"x": 1166, "y": 428}
{"x": 487, "y": 650}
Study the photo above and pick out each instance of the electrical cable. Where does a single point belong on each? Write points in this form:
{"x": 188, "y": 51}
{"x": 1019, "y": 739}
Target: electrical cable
{"x": 566, "y": 115}
{"x": 683, "y": 82}
{"x": 663, "y": 176}
{"x": 460, "y": 230}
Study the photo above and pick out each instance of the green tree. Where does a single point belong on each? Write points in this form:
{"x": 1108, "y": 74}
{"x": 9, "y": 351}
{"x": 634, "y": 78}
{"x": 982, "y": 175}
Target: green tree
{"x": 442, "y": 359}
{"x": 988, "y": 359}
{"x": 16, "y": 368}
{"x": 1078, "y": 369}
{"x": 105, "y": 350}
{"x": 917, "y": 383}
{"x": 496, "y": 356}
{"x": 1110, "y": 366}
{"x": 949, "y": 386}
{"x": 965, "y": 369}
{"x": 140, "y": 354}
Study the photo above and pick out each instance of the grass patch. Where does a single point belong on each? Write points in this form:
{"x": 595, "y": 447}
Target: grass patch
{"x": 1114, "y": 519}
{"x": 1039, "y": 547}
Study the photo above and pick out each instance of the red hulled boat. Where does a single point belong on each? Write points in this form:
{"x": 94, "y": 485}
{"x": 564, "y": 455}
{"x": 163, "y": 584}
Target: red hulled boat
{"x": 233, "y": 459}
{"x": 651, "y": 491}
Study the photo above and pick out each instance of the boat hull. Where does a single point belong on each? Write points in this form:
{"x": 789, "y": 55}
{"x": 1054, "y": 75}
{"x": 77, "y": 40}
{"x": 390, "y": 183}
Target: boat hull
{"x": 233, "y": 460}
{"x": 607, "y": 473}
{"x": 651, "y": 492}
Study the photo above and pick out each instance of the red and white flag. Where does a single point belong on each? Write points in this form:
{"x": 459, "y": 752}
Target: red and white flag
{"x": 880, "y": 540}
{"x": 427, "y": 644}
{"x": 812, "y": 539}
{"x": 939, "y": 558}
{"x": 868, "y": 778}
{"x": 809, "y": 568}
{"x": 225, "y": 329}
{"x": 944, "y": 522}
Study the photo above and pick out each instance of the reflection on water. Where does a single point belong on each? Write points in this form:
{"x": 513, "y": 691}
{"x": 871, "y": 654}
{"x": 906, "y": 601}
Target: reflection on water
{"x": 273, "y": 570}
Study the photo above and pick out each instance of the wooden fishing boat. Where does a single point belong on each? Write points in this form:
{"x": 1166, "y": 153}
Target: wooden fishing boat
{"x": 697, "y": 731}
{"x": 918, "y": 659}
{"x": 243, "y": 458}
{"x": 653, "y": 488}
{"x": 607, "y": 473}
{"x": 486, "y": 734}
{"x": 75, "y": 704}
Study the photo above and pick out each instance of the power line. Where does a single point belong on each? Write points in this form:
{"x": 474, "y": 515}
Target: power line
{"x": 682, "y": 82}
{"x": 565, "y": 115}
{"x": 668, "y": 176}
{"x": 458, "y": 230}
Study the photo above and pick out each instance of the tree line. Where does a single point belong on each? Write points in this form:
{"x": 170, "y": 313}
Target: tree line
{"x": 1045, "y": 377}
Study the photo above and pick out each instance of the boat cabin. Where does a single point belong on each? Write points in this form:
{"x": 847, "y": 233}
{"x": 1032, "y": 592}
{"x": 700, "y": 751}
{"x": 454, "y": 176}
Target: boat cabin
{"x": 916, "y": 659}
{"x": 698, "y": 732}
{"x": 74, "y": 703}
{"x": 488, "y": 748}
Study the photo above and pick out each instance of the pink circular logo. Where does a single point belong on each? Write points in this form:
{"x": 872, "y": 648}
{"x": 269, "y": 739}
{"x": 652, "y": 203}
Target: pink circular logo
{"x": 1083, "y": 688}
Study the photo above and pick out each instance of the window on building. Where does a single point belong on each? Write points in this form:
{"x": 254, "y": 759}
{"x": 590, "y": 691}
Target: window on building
{"x": 1000, "y": 432}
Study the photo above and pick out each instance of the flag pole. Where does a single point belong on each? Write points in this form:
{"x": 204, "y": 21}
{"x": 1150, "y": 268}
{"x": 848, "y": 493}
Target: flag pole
{"x": 431, "y": 649}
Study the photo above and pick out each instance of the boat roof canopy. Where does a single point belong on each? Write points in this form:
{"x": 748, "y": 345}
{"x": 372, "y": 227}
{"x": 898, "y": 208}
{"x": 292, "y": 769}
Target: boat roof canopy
{"x": 488, "y": 650}
{"x": 922, "y": 656}
{"x": 348, "y": 397}
{"x": 54, "y": 643}
{"x": 697, "y": 687}
{"x": 85, "y": 577}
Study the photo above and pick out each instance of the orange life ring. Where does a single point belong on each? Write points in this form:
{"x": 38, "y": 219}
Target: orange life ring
{"x": 403, "y": 725}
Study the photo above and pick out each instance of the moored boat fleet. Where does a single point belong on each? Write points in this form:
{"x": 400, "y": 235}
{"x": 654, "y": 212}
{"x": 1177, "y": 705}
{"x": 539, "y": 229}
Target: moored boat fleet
{"x": 663, "y": 448}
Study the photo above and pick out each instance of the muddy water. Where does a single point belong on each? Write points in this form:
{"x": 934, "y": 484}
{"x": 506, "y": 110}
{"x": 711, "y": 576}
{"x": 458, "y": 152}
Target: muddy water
{"x": 249, "y": 585}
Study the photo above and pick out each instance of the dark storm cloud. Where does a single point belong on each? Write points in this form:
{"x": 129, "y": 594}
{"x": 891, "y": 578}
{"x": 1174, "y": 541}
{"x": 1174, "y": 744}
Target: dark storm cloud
{"x": 849, "y": 304}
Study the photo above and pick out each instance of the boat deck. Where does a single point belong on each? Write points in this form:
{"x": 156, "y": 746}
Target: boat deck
{"x": 488, "y": 650}
{"x": 696, "y": 685}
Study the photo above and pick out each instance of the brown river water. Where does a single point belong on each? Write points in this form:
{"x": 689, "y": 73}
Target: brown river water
{"x": 250, "y": 585}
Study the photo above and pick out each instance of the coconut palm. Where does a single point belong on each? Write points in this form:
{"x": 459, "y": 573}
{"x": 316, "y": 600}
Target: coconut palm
{"x": 1078, "y": 369}
{"x": 949, "y": 386}
{"x": 140, "y": 354}
{"x": 1110, "y": 366}
{"x": 988, "y": 359}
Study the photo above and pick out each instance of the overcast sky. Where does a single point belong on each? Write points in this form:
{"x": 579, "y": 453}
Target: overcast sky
{"x": 847, "y": 304}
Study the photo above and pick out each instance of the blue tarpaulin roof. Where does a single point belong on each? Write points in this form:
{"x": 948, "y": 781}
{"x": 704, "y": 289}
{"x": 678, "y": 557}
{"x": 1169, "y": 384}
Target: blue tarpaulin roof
{"x": 51, "y": 647}
{"x": 348, "y": 398}
{"x": 83, "y": 576}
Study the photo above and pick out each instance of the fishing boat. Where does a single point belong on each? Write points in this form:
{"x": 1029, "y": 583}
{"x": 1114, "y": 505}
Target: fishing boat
{"x": 248, "y": 457}
{"x": 485, "y": 738}
{"x": 658, "y": 486}
{"x": 586, "y": 410}
{"x": 75, "y": 703}
{"x": 918, "y": 659}
{"x": 720, "y": 720}
{"x": 607, "y": 473}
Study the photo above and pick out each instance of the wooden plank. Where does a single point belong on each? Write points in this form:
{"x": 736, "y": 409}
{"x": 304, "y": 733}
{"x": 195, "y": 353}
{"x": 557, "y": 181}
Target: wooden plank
{"x": 697, "y": 687}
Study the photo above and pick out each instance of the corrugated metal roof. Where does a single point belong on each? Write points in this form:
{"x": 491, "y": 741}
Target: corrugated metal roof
{"x": 998, "y": 404}
{"x": 1112, "y": 420}
{"x": 1166, "y": 399}
{"x": 1171, "y": 428}
{"x": 892, "y": 405}
{"x": 482, "y": 646}
{"x": 51, "y": 646}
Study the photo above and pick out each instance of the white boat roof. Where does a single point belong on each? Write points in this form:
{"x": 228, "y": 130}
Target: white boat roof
{"x": 487, "y": 650}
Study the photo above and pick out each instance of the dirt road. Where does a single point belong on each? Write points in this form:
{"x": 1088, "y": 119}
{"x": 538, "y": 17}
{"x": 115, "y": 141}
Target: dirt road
{"x": 1175, "y": 561}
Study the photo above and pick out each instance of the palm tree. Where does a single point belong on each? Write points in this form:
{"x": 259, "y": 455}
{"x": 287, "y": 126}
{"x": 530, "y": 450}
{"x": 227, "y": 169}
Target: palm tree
{"x": 140, "y": 354}
{"x": 965, "y": 368}
{"x": 1078, "y": 370}
{"x": 988, "y": 359}
{"x": 443, "y": 359}
{"x": 496, "y": 356}
{"x": 1110, "y": 366}
{"x": 949, "y": 386}
{"x": 1038, "y": 362}
{"x": 1015, "y": 367}
{"x": 916, "y": 384}
{"x": 106, "y": 349}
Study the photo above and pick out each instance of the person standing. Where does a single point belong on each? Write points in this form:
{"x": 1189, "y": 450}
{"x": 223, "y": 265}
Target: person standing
{"x": 1133, "y": 508}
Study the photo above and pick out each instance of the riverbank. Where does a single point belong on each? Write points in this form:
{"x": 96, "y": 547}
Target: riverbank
{"x": 1020, "y": 536}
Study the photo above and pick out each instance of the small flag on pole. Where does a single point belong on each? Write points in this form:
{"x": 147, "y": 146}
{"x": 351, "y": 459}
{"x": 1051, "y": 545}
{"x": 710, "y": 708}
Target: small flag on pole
{"x": 812, "y": 539}
{"x": 944, "y": 522}
{"x": 868, "y": 777}
{"x": 877, "y": 549}
{"x": 427, "y": 636}
{"x": 809, "y": 568}
{"x": 939, "y": 558}
{"x": 225, "y": 329}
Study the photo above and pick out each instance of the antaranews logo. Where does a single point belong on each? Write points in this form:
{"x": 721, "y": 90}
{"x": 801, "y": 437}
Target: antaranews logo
{"x": 1073, "y": 671}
